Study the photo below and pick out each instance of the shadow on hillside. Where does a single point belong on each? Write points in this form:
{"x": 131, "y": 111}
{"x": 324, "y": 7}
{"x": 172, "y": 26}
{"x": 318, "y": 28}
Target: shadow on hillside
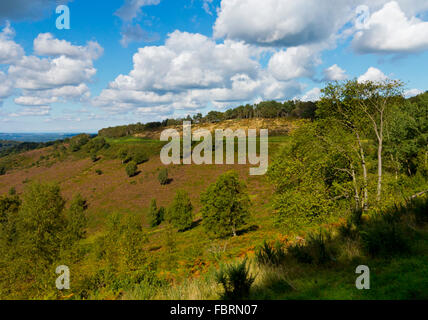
{"x": 194, "y": 225}
{"x": 247, "y": 230}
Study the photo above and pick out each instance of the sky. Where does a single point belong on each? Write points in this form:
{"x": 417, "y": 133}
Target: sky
{"x": 128, "y": 61}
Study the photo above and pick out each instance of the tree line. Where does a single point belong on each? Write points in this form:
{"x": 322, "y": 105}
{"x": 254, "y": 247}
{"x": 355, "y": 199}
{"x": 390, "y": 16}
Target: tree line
{"x": 266, "y": 109}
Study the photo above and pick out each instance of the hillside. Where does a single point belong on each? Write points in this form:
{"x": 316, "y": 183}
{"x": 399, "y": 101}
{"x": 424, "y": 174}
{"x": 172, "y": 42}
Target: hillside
{"x": 303, "y": 238}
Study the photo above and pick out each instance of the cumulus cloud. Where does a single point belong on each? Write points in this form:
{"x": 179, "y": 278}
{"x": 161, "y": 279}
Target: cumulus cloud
{"x": 281, "y": 22}
{"x": 335, "y": 73}
{"x": 373, "y": 74}
{"x": 132, "y": 8}
{"x": 389, "y": 30}
{"x": 61, "y": 74}
{"x": 312, "y": 95}
{"x": 189, "y": 72}
{"x": 294, "y": 62}
{"x": 46, "y": 45}
{"x": 9, "y": 50}
{"x": 6, "y": 87}
{"x": 393, "y": 26}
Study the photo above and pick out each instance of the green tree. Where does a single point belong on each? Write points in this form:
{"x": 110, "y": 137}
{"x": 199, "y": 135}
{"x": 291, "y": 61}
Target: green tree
{"x": 180, "y": 213}
{"x": 76, "y": 221}
{"x": 364, "y": 108}
{"x": 131, "y": 169}
{"x": 225, "y": 205}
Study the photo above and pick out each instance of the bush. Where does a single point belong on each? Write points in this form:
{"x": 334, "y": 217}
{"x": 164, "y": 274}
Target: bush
{"x": 2, "y": 171}
{"x": 139, "y": 156}
{"x": 180, "y": 213}
{"x": 236, "y": 281}
{"x": 316, "y": 249}
{"x": 384, "y": 238}
{"x": 269, "y": 254}
{"x": 99, "y": 172}
{"x": 163, "y": 176}
{"x": 131, "y": 169}
{"x": 94, "y": 157}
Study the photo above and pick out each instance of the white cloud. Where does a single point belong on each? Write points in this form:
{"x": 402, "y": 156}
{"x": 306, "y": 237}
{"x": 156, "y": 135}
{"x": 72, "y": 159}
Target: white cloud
{"x": 335, "y": 73}
{"x": 206, "y": 5}
{"x": 46, "y": 45}
{"x": 62, "y": 75}
{"x": 312, "y": 95}
{"x": 294, "y": 62}
{"x": 412, "y": 92}
{"x": 373, "y": 74}
{"x": 132, "y": 8}
{"x": 9, "y": 50}
{"x": 6, "y": 87}
{"x": 389, "y": 30}
{"x": 190, "y": 72}
{"x": 31, "y": 112}
{"x": 281, "y": 22}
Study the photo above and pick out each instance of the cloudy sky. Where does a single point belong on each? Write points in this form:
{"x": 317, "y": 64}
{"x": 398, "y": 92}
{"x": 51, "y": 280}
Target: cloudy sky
{"x": 124, "y": 61}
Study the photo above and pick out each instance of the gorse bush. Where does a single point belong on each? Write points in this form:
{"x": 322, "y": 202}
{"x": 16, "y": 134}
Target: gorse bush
{"x": 236, "y": 280}
{"x": 315, "y": 250}
{"x": 269, "y": 254}
{"x": 131, "y": 169}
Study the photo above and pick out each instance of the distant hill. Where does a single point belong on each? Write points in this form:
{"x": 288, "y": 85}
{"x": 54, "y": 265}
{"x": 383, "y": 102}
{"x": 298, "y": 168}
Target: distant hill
{"x": 35, "y": 137}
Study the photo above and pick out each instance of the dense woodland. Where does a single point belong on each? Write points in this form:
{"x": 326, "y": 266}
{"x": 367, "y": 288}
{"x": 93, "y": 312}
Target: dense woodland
{"x": 358, "y": 164}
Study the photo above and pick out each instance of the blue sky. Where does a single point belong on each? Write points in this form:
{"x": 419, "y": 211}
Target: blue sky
{"x": 127, "y": 61}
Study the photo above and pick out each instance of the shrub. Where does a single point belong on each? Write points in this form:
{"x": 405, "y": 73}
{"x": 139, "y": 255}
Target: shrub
{"x": 235, "y": 280}
{"x": 99, "y": 172}
{"x": 131, "y": 169}
{"x": 77, "y": 142}
{"x": 269, "y": 254}
{"x": 316, "y": 249}
{"x": 139, "y": 156}
{"x": 381, "y": 237}
{"x": 94, "y": 157}
{"x": 156, "y": 215}
{"x": 225, "y": 205}
{"x": 163, "y": 176}
{"x": 180, "y": 213}
{"x": 2, "y": 171}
